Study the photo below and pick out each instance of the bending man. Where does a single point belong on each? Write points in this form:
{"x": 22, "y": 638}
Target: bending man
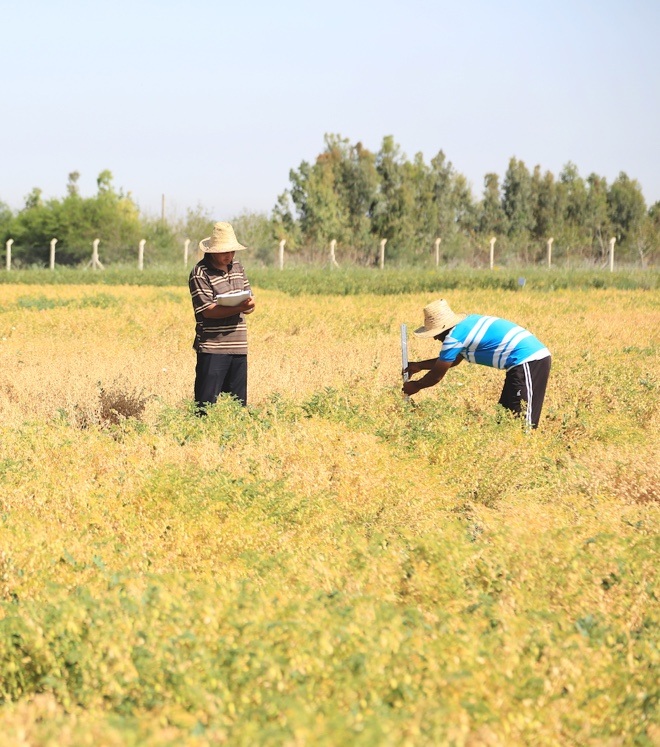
{"x": 489, "y": 341}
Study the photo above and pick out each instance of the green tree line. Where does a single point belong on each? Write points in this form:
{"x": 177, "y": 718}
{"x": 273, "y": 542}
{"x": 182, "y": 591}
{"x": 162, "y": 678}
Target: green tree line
{"x": 358, "y": 197}
{"x": 109, "y": 215}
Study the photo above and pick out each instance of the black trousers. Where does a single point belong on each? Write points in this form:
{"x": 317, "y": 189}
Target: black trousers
{"x": 220, "y": 373}
{"x": 526, "y": 383}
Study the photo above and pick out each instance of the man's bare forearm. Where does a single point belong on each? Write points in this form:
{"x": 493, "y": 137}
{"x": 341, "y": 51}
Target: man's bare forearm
{"x": 433, "y": 377}
{"x": 426, "y": 365}
{"x": 435, "y": 373}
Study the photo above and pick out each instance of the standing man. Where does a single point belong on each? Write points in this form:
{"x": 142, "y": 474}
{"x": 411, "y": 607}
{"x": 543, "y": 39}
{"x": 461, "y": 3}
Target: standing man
{"x": 489, "y": 341}
{"x": 220, "y": 331}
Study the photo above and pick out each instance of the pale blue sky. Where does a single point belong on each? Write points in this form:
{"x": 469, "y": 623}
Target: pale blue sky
{"x": 211, "y": 103}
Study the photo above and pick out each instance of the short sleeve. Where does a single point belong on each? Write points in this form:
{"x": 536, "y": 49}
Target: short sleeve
{"x": 451, "y": 349}
{"x": 201, "y": 290}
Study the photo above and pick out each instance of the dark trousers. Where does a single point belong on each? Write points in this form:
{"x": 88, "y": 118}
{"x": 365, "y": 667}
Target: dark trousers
{"x": 526, "y": 383}
{"x": 220, "y": 373}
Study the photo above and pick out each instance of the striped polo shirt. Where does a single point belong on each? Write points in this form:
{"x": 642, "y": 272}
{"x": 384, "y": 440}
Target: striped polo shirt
{"x": 227, "y": 335}
{"x": 491, "y": 341}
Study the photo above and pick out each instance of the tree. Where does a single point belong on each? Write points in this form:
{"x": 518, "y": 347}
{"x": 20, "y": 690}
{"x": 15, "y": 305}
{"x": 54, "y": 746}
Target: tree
{"x": 596, "y": 214}
{"x": 572, "y": 207}
{"x": 33, "y": 228}
{"x": 283, "y": 223}
{"x": 423, "y": 214}
{"x": 517, "y": 200}
{"x": 75, "y": 222}
{"x": 104, "y": 182}
{"x": 6, "y": 217}
{"x": 452, "y": 206}
{"x": 115, "y": 219}
{"x": 545, "y": 218}
{"x": 357, "y": 182}
{"x": 334, "y": 198}
{"x": 392, "y": 216}
{"x": 648, "y": 239}
{"x": 315, "y": 197}
{"x": 253, "y": 230}
{"x": 34, "y": 199}
{"x": 492, "y": 218}
{"x": 626, "y": 209}
{"x": 72, "y": 184}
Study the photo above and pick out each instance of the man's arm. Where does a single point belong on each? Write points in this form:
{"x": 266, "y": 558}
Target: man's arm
{"x": 203, "y": 293}
{"x": 214, "y": 311}
{"x": 416, "y": 367}
{"x": 436, "y": 372}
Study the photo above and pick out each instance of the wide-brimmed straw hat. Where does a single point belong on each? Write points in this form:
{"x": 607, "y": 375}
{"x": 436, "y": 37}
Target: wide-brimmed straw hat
{"x": 438, "y": 317}
{"x": 223, "y": 239}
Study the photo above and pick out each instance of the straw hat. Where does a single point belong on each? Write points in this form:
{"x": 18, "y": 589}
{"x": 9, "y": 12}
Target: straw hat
{"x": 437, "y": 318}
{"x": 223, "y": 239}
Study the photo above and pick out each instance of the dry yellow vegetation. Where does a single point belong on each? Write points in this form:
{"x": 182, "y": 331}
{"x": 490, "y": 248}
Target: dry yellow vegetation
{"x": 331, "y": 566}
{"x": 55, "y": 356}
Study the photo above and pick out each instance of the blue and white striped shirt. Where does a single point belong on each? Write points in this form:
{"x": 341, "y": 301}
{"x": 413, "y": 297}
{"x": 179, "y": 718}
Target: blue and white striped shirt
{"x": 491, "y": 341}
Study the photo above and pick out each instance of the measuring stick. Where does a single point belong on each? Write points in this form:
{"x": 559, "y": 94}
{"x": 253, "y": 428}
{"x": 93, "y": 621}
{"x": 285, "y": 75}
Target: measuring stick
{"x": 404, "y": 354}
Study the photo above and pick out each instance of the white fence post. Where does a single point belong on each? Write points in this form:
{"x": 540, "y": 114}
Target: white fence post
{"x": 141, "y": 254}
{"x": 492, "y": 252}
{"x": 612, "y": 243}
{"x": 52, "y": 253}
{"x": 437, "y": 252}
{"x": 550, "y": 240}
{"x": 333, "y": 261}
{"x": 95, "y": 262}
{"x": 186, "y": 244}
{"x": 381, "y": 261}
{"x": 282, "y": 243}
{"x": 8, "y": 248}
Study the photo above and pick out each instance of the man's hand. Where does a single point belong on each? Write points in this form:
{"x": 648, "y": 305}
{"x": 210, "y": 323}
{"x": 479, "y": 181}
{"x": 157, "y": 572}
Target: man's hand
{"x": 223, "y": 312}
{"x": 413, "y": 368}
{"x": 436, "y": 371}
{"x": 411, "y": 387}
{"x": 247, "y": 307}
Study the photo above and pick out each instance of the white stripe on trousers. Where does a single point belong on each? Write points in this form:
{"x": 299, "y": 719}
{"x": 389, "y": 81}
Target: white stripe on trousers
{"x": 530, "y": 393}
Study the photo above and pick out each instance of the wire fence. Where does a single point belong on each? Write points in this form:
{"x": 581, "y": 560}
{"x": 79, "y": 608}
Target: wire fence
{"x": 327, "y": 256}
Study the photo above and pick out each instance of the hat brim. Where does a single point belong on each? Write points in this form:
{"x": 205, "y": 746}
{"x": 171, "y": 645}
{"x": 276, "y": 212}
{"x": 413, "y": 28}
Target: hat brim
{"x": 433, "y": 331}
{"x": 204, "y": 247}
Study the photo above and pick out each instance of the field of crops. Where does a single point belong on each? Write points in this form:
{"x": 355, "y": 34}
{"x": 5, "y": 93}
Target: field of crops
{"x": 332, "y": 565}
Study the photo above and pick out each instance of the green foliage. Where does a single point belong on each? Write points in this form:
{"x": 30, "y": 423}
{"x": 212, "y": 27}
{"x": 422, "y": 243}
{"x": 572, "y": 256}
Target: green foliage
{"x": 196, "y": 602}
{"x": 517, "y": 199}
{"x": 354, "y": 280}
{"x": 334, "y": 197}
{"x": 357, "y": 198}
{"x": 5, "y": 220}
{"x": 401, "y": 281}
{"x": 75, "y": 222}
{"x": 39, "y": 303}
{"x": 598, "y": 220}
{"x": 492, "y": 218}
{"x": 285, "y": 226}
{"x": 253, "y": 230}
{"x": 627, "y": 208}
{"x": 393, "y": 211}
{"x": 544, "y": 204}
